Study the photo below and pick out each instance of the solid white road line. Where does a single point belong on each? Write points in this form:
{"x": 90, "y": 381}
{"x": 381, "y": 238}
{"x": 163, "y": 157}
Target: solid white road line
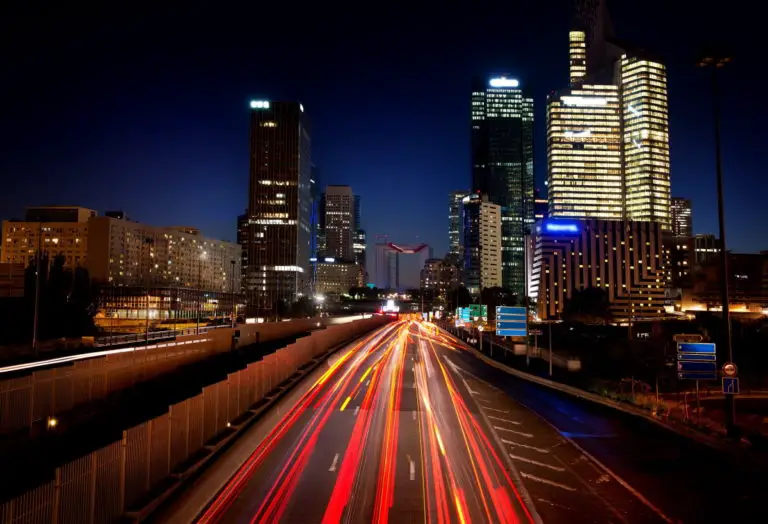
{"x": 334, "y": 463}
{"x": 536, "y": 463}
{"x": 526, "y": 435}
{"x": 526, "y": 446}
{"x": 516, "y": 423}
{"x": 545, "y": 481}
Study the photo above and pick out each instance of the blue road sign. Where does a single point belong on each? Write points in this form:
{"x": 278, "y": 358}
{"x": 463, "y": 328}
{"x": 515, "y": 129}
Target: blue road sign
{"x": 696, "y": 347}
{"x": 696, "y": 361}
{"x": 511, "y": 321}
{"x": 731, "y": 385}
{"x": 698, "y": 367}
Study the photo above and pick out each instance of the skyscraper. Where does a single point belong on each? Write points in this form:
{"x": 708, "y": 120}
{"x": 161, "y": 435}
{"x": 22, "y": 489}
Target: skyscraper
{"x": 502, "y": 165}
{"x": 482, "y": 244}
{"x": 455, "y": 231}
{"x": 607, "y": 134}
{"x": 682, "y": 220}
{"x": 359, "y": 240}
{"x": 339, "y": 222}
{"x": 584, "y": 153}
{"x": 279, "y": 205}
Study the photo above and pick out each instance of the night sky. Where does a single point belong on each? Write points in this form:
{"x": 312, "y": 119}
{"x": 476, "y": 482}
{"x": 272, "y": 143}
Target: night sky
{"x": 146, "y": 109}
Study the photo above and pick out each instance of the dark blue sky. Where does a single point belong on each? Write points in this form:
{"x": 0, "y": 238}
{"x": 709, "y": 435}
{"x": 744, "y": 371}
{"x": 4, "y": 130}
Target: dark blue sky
{"x": 146, "y": 109}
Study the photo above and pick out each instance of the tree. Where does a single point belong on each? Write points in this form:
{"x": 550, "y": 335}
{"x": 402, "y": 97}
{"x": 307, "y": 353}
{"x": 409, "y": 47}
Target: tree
{"x": 588, "y": 306}
{"x": 459, "y": 297}
{"x": 303, "y": 307}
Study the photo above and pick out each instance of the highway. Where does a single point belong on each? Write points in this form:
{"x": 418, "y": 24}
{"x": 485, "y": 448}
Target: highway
{"x": 400, "y": 427}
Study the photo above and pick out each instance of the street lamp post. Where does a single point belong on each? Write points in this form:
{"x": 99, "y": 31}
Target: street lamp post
{"x": 717, "y": 62}
{"x": 480, "y": 331}
{"x": 232, "y": 292}
{"x": 199, "y": 288}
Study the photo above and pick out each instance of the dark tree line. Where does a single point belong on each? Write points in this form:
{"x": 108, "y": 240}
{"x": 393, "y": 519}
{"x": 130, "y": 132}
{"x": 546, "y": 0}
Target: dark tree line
{"x": 66, "y": 303}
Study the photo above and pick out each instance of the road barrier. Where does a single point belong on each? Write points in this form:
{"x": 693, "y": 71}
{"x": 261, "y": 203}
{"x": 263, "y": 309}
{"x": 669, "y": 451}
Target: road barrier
{"x": 105, "y": 484}
{"x": 28, "y": 402}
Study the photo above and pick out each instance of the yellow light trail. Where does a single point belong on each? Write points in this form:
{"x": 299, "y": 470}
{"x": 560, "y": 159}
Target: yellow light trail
{"x": 458, "y": 508}
{"x": 439, "y": 440}
{"x": 345, "y": 403}
{"x": 367, "y": 372}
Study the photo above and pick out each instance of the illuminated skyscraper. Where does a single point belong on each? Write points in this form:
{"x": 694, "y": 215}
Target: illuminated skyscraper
{"x": 502, "y": 166}
{"x": 608, "y": 136}
{"x": 454, "y": 222}
{"x": 646, "y": 139}
{"x": 482, "y": 243}
{"x": 682, "y": 220}
{"x": 279, "y": 205}
{"x": 584, "y": 153}
{"x": 339, "y": 211}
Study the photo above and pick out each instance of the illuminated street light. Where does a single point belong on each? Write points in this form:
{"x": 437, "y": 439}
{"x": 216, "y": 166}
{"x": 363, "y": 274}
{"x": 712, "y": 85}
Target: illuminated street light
{"x": 52, "y": 422}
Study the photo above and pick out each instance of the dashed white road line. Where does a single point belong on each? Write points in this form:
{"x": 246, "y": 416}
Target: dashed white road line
{"x": 413, "y": 414}
{"x": 545, "y": 481}
{"x": 357, "y": 410}
{"x": 536, "y": 463}
{"x": 485, "y": 400}
{"x": 497, "y": 410}
{"x": 526, "y": 435}
{"x": 411, "y": 468}
{"x": 334, "y": 463}
{"x": 515, "y": 422}
{"x": 526, "y": 446}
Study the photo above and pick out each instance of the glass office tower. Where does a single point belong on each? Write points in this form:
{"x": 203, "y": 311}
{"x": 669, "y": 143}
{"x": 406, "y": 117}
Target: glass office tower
{"x": 502, "y": 165}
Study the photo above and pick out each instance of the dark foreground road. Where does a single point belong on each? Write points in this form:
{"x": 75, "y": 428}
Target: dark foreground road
{"x": 406, "y": 426}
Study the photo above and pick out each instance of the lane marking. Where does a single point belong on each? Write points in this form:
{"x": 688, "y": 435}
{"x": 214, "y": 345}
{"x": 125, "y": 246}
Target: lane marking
{"x": 526, "y": 446}
{"x": 497, "y": 410}
{"x": 334, "y": 463}
{"x": 515, "y": 422}
{"x": 357, "y": 410}
{"x": 545, "y": 481}
{"x": 413, "y": 414}
{"x": 484, "y": 400}
{"x": 536, "y": 463}
{"x": 411, "y": 468}
{"x": 526, "y": 435}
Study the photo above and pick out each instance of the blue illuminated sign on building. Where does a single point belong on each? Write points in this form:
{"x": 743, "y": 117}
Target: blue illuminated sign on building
{"x": 561, "y": 227}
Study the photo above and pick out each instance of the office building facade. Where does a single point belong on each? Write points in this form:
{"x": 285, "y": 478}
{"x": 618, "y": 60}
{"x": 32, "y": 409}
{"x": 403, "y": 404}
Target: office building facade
{"x": 682, "y": 218}
{"x": 51, "y": 231}
{"x": 339, "y": 222}
{"x": 502, "y": 165}
{"x": 439, "y": 278}
{"x": 336, "y": 277}
{"x": 279, "y": 205}
{"x": 625, "y": 259}
{"x": 455, "y": 223}
{"x": 608, "y": 137}
{"x": 482, "y": 244}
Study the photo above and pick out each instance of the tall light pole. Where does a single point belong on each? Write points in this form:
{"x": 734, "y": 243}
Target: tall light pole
{"x": 716, "y": 62}
{"x": 232, "y": 292}
{"x": 38, "y": 259}
{"x": 199, "y": 287}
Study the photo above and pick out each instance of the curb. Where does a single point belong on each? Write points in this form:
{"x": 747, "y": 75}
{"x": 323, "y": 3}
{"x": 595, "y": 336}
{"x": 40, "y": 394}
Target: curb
{"x": 739, "y": 451}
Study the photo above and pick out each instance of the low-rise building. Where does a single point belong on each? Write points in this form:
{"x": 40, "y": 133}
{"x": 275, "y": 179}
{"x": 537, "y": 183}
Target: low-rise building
{"x": 336, "y": 276}
{"x": 625, "y": 259}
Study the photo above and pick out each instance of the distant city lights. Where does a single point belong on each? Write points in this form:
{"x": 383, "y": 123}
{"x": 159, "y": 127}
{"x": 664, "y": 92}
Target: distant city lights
{"x": 585, "y": 101}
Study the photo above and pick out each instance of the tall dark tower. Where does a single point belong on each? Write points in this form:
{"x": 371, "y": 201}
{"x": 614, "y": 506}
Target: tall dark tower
{"x": 502, "y": 166}
{"x": 279, "y": 205}
{"x": 591, "y": 17}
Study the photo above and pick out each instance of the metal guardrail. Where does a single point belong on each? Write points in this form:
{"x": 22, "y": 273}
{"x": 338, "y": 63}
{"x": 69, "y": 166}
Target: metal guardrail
{"x": 153, "y": 335}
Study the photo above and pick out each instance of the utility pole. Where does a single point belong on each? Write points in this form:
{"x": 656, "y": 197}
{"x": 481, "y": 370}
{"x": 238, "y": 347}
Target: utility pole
{"x": 717, "y": 62}
{"x": 38, "y": 259}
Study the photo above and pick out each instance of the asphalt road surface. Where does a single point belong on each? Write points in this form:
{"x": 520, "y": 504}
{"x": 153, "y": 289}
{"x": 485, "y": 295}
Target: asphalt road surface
{"x": 407, "y": 426}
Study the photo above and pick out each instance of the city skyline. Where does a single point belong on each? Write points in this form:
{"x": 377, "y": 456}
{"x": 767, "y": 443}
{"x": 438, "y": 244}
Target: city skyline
{"x": 175, "y": 179}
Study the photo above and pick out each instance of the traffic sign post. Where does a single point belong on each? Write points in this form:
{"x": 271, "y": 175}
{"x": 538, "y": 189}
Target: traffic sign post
{"x": 696, "y": 361}
{"x": 730, "y": 385}
{"x": 511, "y": 321}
